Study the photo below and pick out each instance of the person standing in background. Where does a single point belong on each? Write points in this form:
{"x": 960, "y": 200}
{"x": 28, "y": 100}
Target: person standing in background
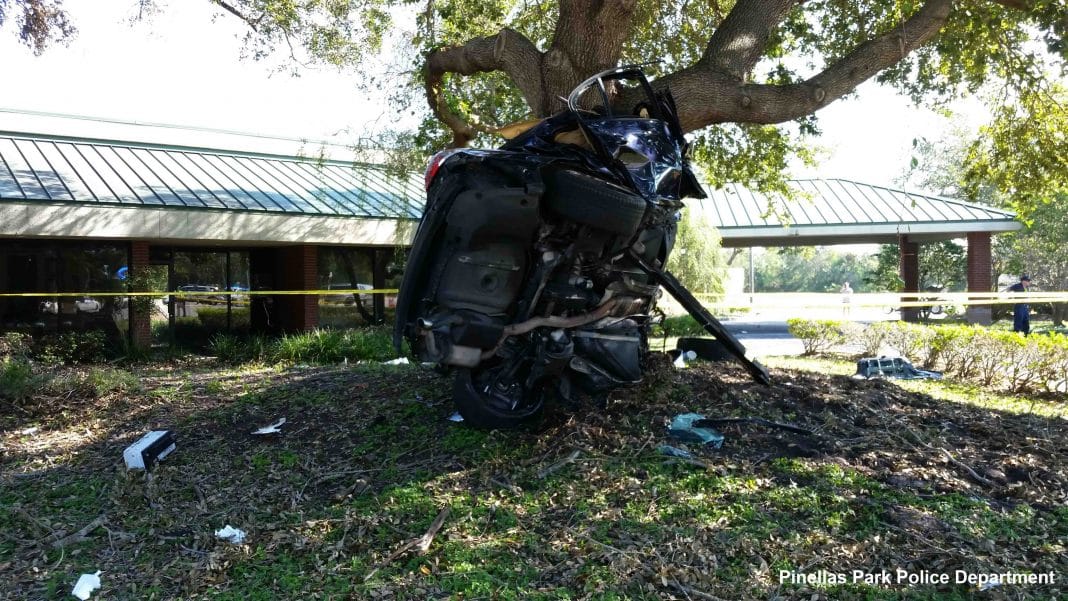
{"x": 847, "y": 298}
{"x": 1021, "y": 312}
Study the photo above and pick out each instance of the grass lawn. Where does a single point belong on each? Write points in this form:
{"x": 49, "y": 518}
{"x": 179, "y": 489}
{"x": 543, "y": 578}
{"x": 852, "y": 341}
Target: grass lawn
{"x": 916, "y": 476}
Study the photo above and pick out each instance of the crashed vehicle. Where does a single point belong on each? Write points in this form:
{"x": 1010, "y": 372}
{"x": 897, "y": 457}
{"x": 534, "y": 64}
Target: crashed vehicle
{"x": 536, "y": 268}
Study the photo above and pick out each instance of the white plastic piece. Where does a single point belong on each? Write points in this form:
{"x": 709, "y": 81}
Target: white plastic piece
{"x": 152, "y": 447}
{"x": 397, "y": 361}
{"x": 456, "y": 417}
{"x": 680, "y": 362}
{"x": 275, "y": 428}
{"x": 231, "y": 534}
{"x": 86, "y": 584}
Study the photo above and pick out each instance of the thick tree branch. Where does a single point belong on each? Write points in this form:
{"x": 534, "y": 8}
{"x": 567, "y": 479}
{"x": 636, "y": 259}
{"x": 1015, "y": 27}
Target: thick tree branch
{"x": 715, "y": 97}
{"x": 254, "y": 24}
{"x": 740, "y": 41}
{"x": 508, "y": 51}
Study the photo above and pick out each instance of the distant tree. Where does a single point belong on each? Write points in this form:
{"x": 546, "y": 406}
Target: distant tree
{"x": 808, "y": 269}
{"x": 697, "y": 259}
{"x": 1041, "y": 250}
{"x": 39, "y": 22}
{"x": 942, "y": 265}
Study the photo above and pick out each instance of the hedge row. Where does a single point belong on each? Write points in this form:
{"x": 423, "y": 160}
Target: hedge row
{"x": 970, "y": 353}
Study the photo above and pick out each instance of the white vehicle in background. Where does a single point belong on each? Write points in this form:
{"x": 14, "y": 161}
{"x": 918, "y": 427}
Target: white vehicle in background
{"x": 83, "y": 304}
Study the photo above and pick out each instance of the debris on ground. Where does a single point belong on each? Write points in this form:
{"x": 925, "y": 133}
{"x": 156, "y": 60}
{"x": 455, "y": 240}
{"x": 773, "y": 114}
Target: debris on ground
{"x": 149, "y": 449}
{"x": 397, "y": 361}
{"x": 753, "y": 420}
{"x": 275, "y": 428}
{"x": 86, "y": 584}
{"x": 231, "y": 534}
{"x": 685, "y": 427}
{"x": 456, "y": 417}
{"x": 670, "y": 451}
{"x": 897, "y": 368}
{"x": 682, "y": 357}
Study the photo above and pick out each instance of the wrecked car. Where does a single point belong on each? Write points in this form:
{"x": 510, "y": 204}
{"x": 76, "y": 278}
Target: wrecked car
{"x": 536, "y": 268}
{"x": 897, "y": 368}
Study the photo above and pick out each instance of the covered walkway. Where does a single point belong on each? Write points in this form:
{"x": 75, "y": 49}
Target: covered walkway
{"x": 837, "y": 211}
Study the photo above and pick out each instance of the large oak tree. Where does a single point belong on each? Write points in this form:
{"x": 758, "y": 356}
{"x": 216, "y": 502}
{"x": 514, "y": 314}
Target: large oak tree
{"x": 738, "y": 68}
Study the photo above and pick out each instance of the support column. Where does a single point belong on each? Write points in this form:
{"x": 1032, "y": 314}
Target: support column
{"x": 910, "y": 274}
{"x": 980, "y": 275}
{"x": 298, "y": 270}
{"x": 380, "y": 259}
{"x": 140, "y": 320}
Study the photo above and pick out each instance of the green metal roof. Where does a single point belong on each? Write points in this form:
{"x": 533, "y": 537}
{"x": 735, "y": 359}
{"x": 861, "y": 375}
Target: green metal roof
{"x": 36, "y": 167}
{"x": 828, "y": 211}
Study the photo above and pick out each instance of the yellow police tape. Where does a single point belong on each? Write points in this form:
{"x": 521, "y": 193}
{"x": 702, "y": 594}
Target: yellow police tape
{"x": 796, "y": 300}
{"x": 203, "y": 293}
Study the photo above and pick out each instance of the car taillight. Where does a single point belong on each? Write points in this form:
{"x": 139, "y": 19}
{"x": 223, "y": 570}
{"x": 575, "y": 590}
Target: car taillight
{"x": 433, "y": 166}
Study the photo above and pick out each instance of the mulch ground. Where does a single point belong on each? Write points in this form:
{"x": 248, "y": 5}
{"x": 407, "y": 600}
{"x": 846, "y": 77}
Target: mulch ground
{"x": 344, "y": 503}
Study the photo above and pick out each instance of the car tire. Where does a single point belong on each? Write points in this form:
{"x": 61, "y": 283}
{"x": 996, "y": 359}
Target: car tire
{"x": 486, "y": 411}
{"x": 594, "y": 202}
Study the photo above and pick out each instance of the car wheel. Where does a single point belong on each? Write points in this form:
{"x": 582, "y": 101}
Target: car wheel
{"x": 483, "y": 405}
{"x": 593, "y": 201}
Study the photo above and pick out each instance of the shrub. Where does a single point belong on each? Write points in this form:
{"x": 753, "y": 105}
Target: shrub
{"x": 72, "y": 347}
{"x": 911, "y": 341}
{"x": 1055, "y": 347}
{"x": 333, "y": 346}
{"x": 681, "y": 325}
{"x": 16, "y": 344}
{"x": 817, "y": 335}
{"x": 954, "y": 345}
{"x": 872, "y": 338}
{"x": 234, "y": 349}
{"x": 214, "y": 318}
{"x": 105, "y": 380}
{"x": 17, "y": 379}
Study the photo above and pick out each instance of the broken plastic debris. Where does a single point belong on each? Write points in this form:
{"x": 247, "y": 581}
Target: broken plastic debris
{"x": 29, "y": 431}
{"x": 684, "y": 427}
{"x": 86, "y": 584}
{"x": 275, "y": 428}
{"x": 397, "y": 361}
{"x": 989, "y": 584}
{"x": 670, "y": 451}
{"x": 149, "y": 449}
{"x": 680, "y": 361}
{"x": 456, "y": 417}
{"x": 231, "y": 534}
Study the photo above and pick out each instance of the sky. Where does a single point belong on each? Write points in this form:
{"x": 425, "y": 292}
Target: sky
{"x": 183, "y": 68}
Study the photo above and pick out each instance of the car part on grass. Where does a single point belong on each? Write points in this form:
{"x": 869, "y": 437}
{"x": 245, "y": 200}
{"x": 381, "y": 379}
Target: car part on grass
{"x": 149, "y": 449}
{"x": 691, "y": 427}
{"x": 897, "y": 368}
{"x": 709, "y": 349}
{"x": 536, "y": 268}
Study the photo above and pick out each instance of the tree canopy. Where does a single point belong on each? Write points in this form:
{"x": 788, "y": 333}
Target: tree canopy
{"x": 748, "y": 75}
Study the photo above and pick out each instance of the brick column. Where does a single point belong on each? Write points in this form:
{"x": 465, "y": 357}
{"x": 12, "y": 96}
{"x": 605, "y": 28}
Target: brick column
{"x": 980, "y": 275}
{"x": 910, "y": 274}
{"x": 140, "y": 321}
{"x": 298, "y": 270}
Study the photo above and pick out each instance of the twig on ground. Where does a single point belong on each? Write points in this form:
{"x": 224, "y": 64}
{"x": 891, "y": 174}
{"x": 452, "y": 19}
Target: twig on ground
{"x": 422, "y": 544}
{"x": 80, "y": 535}
{"x": 546, "y": 472}
{"x": 512, "y": 488}
{"x": 689, "y": 590}
{"x": 966, "y": 468}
